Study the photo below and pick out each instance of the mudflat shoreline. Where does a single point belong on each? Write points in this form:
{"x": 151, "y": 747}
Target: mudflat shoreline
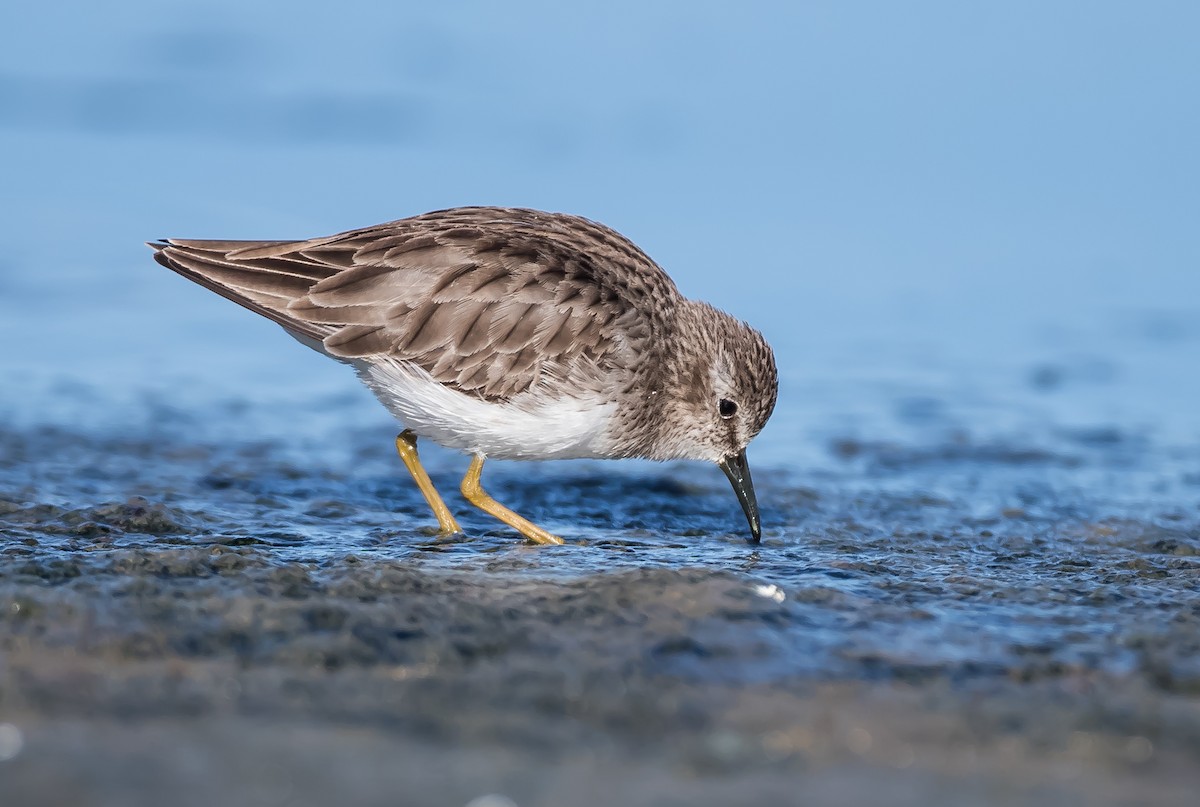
{"x": 894, "y": 646}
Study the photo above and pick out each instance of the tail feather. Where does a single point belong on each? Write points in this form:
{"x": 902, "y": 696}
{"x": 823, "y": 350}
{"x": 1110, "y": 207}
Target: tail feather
{"x": 264, "y": 285}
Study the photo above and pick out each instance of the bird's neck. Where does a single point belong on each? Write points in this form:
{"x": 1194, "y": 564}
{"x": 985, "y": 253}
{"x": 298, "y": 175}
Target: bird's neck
{"x": 671, "y": 378}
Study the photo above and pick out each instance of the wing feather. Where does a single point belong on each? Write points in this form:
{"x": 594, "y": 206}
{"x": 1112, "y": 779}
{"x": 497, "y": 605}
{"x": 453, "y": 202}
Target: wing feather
{"x": 492, "y": 300}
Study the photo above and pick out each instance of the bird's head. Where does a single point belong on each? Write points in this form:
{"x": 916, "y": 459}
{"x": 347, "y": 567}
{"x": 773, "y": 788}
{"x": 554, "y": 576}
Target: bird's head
{"x": 721, "y": 389}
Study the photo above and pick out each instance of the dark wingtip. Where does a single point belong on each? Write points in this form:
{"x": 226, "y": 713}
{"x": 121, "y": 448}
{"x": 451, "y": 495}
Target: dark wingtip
{"x": 160, "y": 255}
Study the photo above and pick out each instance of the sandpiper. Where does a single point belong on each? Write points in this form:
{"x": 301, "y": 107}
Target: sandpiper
{"x": 512, "y": 334}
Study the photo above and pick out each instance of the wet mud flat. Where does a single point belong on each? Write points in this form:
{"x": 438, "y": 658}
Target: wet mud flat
{"x": 943, "y": 623}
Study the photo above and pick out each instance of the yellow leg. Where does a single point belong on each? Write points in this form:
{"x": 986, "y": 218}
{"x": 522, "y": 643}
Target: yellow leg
{"x": 476, "y": 496}
{"x": 406, "y": 446}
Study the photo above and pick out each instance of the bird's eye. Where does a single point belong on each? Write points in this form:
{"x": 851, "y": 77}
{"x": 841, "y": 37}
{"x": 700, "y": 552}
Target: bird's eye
{"x": 727, "y": 408}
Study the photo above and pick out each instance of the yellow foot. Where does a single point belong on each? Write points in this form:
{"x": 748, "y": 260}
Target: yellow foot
{"x": 406, "y": 447}
{"x": 475, "y": 494}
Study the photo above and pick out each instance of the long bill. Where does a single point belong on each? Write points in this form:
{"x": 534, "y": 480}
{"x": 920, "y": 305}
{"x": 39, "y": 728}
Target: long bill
{"x": 738, "y": 471}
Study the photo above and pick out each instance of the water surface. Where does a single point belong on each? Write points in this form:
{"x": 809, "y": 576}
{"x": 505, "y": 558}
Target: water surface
{"x": 980, "y": 489}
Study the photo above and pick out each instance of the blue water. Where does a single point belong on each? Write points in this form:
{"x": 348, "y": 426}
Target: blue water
{"x": 968, "y": 230}
{"x": 924, "y": 202}
{"x": 969, "y": 233}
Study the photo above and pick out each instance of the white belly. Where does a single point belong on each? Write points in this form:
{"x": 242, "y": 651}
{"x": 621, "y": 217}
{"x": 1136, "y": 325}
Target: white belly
{"x": 529, "y": 427}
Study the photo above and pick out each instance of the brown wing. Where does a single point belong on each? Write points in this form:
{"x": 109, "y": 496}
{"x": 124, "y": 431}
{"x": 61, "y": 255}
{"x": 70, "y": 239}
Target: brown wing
{"x": 490, "y": 300}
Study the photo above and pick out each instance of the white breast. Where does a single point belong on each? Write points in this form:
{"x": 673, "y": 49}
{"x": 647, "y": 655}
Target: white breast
{"x": 530, "y": 426}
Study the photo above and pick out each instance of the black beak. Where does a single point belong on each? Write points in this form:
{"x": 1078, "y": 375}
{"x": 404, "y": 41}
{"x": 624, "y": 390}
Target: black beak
{"x": 738, "y": 471}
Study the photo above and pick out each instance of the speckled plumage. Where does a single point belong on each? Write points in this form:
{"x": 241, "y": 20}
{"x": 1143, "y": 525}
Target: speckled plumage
{"x": 508, "y": 333}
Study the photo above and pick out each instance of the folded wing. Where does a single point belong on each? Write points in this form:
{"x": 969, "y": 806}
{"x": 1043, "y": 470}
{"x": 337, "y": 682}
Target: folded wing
{"x": 493, "y": 301}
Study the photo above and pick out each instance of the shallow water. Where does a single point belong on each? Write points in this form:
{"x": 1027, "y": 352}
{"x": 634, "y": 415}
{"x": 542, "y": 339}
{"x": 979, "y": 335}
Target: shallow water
{"x": 979, "y": 578}
{"x": 962, "y": 620}
{"x": 893, "y": 558}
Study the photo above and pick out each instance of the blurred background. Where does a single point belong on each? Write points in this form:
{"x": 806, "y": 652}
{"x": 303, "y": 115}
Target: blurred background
{"x": 969, "y": 230}
{"x": 979, "y": 217}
